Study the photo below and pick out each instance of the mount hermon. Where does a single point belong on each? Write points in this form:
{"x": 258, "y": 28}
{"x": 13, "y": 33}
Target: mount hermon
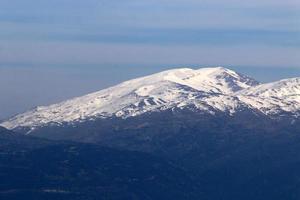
{"x": 208, "y": 90}
{"x": 227, "y": 131}
{"x": 179, "y": 87}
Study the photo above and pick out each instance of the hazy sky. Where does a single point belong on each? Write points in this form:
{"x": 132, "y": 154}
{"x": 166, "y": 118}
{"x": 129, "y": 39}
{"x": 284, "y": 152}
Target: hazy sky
{"x": 55, "y": 49}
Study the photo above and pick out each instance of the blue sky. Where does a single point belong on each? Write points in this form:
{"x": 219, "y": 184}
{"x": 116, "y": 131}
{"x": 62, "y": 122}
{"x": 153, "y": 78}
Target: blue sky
{"x": 152, "y": 31}
{"x": 66, "y": 43}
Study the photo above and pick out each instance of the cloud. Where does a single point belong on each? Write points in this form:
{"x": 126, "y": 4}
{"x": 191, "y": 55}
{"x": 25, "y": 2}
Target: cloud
{"x": 265, "y": 14}
{"x": 126, "y": 54}
{"x": 35, "y": 31}
{"x": 163, "y": 36}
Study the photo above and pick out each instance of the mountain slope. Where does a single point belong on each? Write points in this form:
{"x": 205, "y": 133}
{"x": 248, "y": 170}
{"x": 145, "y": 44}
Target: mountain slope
{"x": 33, "y": 168}
{"x": 276, "y": 97}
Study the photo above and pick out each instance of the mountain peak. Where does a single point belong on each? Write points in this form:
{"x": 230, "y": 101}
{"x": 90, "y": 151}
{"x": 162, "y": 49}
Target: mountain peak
{"x": 211, "y": 79}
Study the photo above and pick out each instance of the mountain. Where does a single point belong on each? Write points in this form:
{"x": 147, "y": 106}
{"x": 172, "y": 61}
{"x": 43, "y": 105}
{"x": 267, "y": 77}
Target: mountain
{"x": 237, "y": 138}
{"x": 167, "y": 111}
{"x": 206, "y": 89}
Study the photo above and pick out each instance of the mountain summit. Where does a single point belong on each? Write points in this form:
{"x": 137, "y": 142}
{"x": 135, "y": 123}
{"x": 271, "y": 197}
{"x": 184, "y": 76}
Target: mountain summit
{"x": 208, "y": 90}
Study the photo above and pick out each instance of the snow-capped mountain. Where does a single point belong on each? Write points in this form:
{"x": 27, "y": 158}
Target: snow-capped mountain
{"x": 207, "y": 90}
{"x": 220, "y": 128}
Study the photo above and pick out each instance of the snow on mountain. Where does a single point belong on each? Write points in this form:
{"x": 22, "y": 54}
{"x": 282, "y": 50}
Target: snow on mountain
{"x": 273, "y": 98}
{"x": 205, "y": 89}
{"x": 216, "y": 80}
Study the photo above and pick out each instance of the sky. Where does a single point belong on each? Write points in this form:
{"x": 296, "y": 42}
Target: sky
{"x": 51, "y": 50}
